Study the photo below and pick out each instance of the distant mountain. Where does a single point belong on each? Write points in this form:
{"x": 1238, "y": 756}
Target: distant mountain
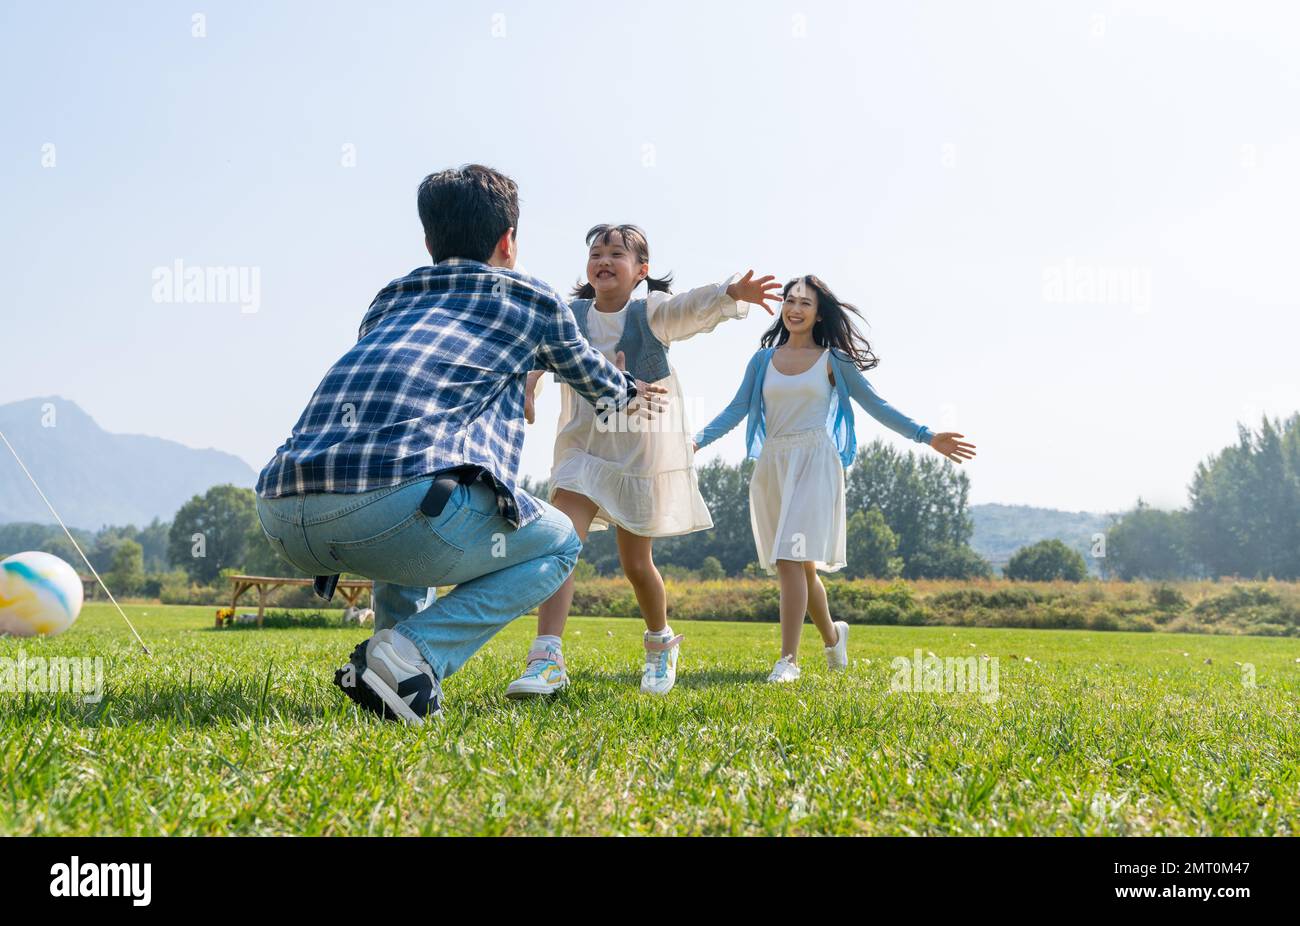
{"x": 1000, "y": 530}
{"x": 95, "y": 478}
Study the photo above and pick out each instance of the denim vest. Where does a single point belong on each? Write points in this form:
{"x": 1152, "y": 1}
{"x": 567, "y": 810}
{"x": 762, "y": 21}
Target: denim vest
{"x": 645, "y": 355}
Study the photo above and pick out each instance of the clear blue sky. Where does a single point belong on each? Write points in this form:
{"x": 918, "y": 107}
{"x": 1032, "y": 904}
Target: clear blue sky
{"x": 936, "y": 163}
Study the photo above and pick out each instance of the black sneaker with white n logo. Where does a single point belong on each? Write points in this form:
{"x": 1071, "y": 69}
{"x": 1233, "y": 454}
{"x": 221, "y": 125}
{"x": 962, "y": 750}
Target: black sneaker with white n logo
{"x": 395, "y": 671}
{"x": 348, "y": 680}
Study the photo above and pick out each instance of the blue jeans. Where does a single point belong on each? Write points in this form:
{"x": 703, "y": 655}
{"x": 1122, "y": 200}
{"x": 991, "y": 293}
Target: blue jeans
{"x": 499, "y": 572}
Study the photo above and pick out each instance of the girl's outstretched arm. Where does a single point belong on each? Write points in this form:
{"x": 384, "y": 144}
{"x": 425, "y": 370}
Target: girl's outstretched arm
{"x": 734, "y": 413}
{"x": 703, "y": 308}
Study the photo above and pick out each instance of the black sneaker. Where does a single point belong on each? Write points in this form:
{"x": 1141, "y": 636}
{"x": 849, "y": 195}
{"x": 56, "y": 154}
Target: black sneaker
{"x": 397, "y": 672}
{"x": 348, "y": 680}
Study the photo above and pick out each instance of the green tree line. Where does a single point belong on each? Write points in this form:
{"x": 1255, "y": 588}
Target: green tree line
{"x": 1242, "y": 518}
{"x": 908, "y": 517}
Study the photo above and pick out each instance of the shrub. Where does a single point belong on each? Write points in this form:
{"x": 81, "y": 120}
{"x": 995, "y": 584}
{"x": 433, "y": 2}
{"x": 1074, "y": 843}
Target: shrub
{"x": 711, "y": 569}
{"x": 1258, "y": 609}
{"x": 1012, "y": 598}
{"x": 1102, "y": 621}
{"x": 882, "y": 612}
{"x": 176, "y": 588}
{"x": 285, "y": 620}
{"x": 1046, "y": 561}
{"x": 1237, "y": 598}
{"x": 1167, "y": 598}
{"x": 869, "y": 603}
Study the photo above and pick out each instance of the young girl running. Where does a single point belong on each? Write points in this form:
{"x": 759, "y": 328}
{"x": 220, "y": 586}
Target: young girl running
{"x": 796, "y": 394}
{"x": 635, "y": 474}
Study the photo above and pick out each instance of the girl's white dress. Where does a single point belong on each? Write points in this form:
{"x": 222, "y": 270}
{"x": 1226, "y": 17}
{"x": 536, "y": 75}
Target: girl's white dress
{"x": 641, "y": 480}
{"x": 796, "y": 496}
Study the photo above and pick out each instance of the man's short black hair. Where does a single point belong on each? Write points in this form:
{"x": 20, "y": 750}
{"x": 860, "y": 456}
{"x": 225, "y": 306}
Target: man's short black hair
{"x": 466, "y": 210}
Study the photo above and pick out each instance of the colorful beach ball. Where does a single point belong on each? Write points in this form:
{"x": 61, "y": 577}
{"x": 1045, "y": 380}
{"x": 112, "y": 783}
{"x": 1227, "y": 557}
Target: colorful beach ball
{"x": 39, "y": 594}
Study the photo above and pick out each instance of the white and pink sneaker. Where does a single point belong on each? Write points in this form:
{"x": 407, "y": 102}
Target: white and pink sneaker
{"x": 544, "y": 676}
{"x": 659, "y": 674}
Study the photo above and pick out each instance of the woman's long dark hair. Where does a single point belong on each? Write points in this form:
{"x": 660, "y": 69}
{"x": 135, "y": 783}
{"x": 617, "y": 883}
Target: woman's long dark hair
{"x": 834, "y": 327}
{"x": 634, "y": 240}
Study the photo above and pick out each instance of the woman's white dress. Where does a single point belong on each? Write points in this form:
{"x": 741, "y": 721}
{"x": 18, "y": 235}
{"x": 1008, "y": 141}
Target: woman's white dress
{"x": 796, "y": 496}
{"x": 641, "y": 480}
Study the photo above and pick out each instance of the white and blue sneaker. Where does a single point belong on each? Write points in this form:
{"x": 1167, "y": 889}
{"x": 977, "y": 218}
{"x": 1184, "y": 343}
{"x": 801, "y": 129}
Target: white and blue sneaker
{"x": 400, "y": 676}
{"x": 659, "y": 674}
{"x": 544, "y": 676}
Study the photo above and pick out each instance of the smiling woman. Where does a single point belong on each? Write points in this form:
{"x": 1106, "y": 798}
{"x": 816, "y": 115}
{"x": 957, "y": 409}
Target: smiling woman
{"x": 796, "y": 394}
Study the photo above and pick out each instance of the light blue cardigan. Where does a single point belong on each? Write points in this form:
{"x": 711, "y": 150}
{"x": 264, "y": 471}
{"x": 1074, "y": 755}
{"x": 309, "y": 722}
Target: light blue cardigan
{"x": 849, "y": 383}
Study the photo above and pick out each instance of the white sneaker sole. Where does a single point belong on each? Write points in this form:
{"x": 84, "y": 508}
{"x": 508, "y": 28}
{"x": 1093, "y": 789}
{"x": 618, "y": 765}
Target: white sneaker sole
{"x": 521, "y": 690}
{"x": 394, "y": 701}
{"x": 651, "y": 690}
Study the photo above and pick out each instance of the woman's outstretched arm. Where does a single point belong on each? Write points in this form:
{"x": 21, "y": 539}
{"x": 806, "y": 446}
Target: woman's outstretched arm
{"x": 945, "y": 442}
{"x": 861, "y": 392}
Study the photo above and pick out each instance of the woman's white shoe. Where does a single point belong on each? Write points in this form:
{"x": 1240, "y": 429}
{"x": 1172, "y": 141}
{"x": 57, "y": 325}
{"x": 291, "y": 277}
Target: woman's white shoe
{"x": 784, "y": 671}
{"x": 837, "y": 656}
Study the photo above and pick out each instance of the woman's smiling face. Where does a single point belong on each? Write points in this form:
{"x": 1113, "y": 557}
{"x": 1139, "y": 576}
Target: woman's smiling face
{"x": 612, "y": 267}
{"x": 799, "y": 310}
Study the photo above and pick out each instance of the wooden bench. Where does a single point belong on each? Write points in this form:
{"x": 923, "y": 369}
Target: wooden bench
{"x": 350, "y": 589}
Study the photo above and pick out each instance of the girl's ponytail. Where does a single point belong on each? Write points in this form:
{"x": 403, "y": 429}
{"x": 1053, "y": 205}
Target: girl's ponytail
{"x": 660, "y": 284}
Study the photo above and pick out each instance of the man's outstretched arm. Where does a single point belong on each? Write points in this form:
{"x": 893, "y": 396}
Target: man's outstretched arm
{"x": 567, "y": 354}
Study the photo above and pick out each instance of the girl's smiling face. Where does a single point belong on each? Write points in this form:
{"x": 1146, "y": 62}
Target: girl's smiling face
{"x": 799, "y": 310}
{"x": 613, "y": 268}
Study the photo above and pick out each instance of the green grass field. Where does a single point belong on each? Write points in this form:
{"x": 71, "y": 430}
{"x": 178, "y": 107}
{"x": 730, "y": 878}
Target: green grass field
{"x": 241, "y": 732}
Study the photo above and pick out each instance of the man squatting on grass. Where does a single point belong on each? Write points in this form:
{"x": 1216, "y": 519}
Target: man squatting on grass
{"x": 403, "y": 466}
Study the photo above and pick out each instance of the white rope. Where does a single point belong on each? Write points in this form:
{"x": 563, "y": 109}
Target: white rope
{"x": 76, "y": 545}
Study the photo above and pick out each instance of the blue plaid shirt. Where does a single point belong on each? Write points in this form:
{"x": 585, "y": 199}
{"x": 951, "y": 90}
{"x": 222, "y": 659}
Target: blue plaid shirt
{"x": 436, "y": 380}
